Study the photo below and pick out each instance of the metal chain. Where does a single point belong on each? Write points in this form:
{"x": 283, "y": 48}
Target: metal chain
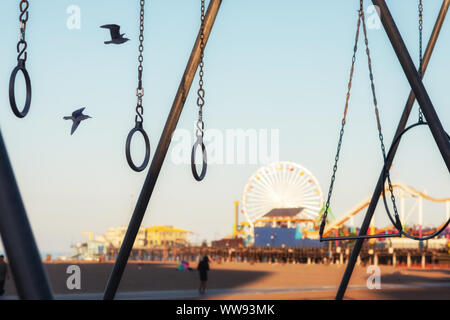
{"x": 200, "y": 103}
{"x": 139, "y": 119}
{"x": 201, "y": 91}
{"x": 341, "y": 135}
{"x": 23, "y": 18}
{"x": 420, "y": 50}
{"x": 380, "y": 134}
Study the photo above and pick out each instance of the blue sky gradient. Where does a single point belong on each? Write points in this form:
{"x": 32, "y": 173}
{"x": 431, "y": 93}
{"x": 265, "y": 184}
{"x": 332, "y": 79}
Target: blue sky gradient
{"x": 269, "y": 65}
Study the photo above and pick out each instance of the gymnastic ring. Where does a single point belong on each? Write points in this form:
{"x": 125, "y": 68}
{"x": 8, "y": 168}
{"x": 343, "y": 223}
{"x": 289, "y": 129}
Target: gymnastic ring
{"x": 12, "y": 98}
{"x": 138, "y": 128}
{"x": 202, "y": 175}
{"x": 385, "y": 170}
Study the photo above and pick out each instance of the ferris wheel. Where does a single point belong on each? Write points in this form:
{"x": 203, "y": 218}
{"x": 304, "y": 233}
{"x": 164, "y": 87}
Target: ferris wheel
{"x": 281, "y": 185}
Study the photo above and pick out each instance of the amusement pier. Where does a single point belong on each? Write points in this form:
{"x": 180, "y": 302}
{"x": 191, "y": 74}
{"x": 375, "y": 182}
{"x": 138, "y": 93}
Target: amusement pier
{"x": 282, "y": 206}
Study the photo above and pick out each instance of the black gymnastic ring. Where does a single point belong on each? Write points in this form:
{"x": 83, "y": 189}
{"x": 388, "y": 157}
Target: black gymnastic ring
{"x": 12, "y": 98}
{"x": 137, "y": 128}
{"x": 385, "y": 170}
{"x": 202, "y": 175}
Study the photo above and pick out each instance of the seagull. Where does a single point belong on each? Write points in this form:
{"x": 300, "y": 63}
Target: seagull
{"x": 77, "y": 117}
{"x": 116, "y": 36}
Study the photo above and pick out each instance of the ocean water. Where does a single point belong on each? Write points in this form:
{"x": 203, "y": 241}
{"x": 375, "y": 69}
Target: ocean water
{"x": 54, "y": 254}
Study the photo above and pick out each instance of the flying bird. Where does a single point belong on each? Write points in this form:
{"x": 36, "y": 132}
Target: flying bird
{"x": 77, "y": 117}
{"x": 116, "y": 36}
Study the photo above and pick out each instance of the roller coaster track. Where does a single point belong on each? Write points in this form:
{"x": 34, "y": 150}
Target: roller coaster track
{"x": 361, "y": 206}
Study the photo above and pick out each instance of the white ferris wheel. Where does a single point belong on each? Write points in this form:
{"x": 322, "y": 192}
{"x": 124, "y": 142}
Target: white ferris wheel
{"x": 281, "y": 185}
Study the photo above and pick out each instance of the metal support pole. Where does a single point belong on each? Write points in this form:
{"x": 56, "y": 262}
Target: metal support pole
{"x": 160, "y": 154}
{"x": 415, "y": 81}
{"x": 17, "y": 236}
{"x": 401, "y": 126}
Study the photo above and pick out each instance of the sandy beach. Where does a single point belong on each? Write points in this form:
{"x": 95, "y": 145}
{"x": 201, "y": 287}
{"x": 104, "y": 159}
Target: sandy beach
{"x": 246, "y": 281}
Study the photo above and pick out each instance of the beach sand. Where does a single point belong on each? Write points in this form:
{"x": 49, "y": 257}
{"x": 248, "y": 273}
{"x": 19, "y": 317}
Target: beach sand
{"x": 246, "y": 281}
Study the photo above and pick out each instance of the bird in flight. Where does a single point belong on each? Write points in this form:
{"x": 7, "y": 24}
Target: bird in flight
{"x": 116, "y": 36}
{"x": 77, "y": 117}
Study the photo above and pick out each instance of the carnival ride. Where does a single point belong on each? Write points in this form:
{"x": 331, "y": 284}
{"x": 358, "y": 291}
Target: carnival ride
{"x": 287, "y": 185}
{"x": 405, "y": 192}
{"x": 282, "y": 185}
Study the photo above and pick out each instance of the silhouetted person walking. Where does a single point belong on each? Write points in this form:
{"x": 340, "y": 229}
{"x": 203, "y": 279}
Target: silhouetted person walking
{"x": 203, "y": 268}
{"x": 3, "y": 274}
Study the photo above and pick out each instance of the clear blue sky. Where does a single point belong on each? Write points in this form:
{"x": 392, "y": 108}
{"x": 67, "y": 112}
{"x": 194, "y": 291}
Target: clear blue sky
{"x": 269, "y": 65}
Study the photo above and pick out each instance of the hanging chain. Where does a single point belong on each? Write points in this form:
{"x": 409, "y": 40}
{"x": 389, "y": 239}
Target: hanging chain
{"x": 341, "y": 135}
{"x": 139, "y": 119}
{"x": 420, "y": 50}
{"x": 21, "y": 60}
{"x": 24, "y": 5}
{"x": 361, "y": 18}
{"x": 200, "y": 103}
{"x": 375, "y": 102}
{"x": 201, "y": 91}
